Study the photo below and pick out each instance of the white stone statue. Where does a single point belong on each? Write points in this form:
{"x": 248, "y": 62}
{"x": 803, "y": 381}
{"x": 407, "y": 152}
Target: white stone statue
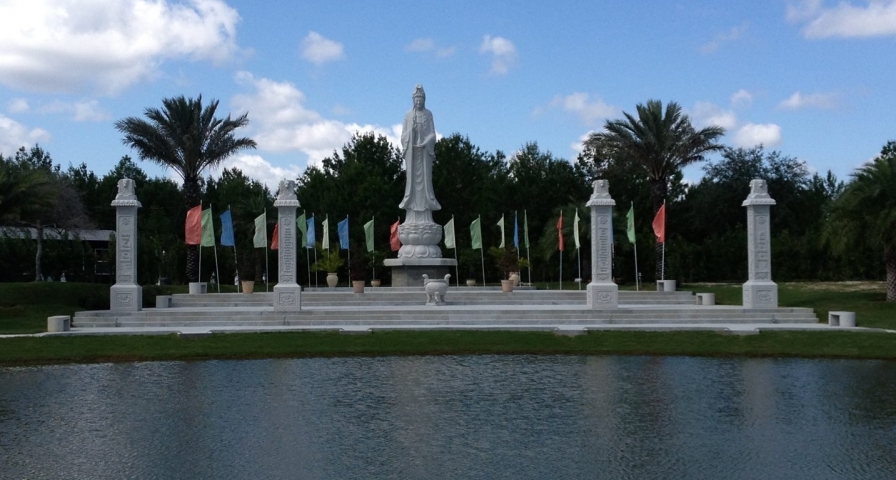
{"x": 418, "y": 143}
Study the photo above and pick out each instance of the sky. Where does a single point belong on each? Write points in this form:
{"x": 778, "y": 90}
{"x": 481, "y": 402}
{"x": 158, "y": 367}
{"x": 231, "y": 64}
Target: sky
{"x": 812, "y": 79}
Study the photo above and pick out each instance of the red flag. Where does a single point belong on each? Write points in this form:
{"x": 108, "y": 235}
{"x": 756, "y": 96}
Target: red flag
{"x": 275, "y": 243}
{"x": 193, "y": 227}
{"x": 560, "y": 231}
{"x": 659, "y": 224}
{"x": 394, "y": 242}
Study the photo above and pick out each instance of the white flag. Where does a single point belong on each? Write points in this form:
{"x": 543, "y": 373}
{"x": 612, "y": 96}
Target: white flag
{"x": 575, "y": 229}
{"x": 501, "y": 224}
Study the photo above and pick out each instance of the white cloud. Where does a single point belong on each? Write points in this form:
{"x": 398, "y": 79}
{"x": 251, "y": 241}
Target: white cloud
{"x": 319, "y": 50}
{"x": 580, "y": 104}
{"x": 735, "y": 33}
{"x": 107, "y": 45}
{"x": 17, "y": 105}
{"x": 282, "y": 123}
{"x": 751, "y": 135}
{"x": 741, "y": 98}
{"x": 798, "y": 101}
{"x": 420, "y": 45}
{"x": 502, "y": 51}
{"x": 82, "y": 111}
{"x": 14, "y": 135}
{"x": 875, "y": 18}
{"x": 427, "y": 45}
{"x": 579, "y": 145}
{"x": 707, "y": 114}
{"x": 257, "y": 168}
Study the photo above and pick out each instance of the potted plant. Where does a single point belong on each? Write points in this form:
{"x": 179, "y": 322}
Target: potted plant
{"x": 508, "y": 262}
{"x": 374, "y": 260}
{"x": 246, "y": 271}
{"x": 329, "y": 261}
{"x": 357, "y": 269}
{"x": 470, "y": 259}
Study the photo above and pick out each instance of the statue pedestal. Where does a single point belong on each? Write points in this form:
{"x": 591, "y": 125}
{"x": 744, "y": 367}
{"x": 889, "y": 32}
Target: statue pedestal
{"x": 408, "y": 272}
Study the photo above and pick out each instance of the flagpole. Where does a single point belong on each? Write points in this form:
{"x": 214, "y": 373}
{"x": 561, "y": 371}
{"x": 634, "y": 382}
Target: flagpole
{"x": 637, "y": 280}
{"x": 199, "y": 247}
{"x": 528, "y": 251}
{"x": 579, "y": 250}
{"x": 456, "y": 265}
{"x": 266, "y": 273}
{"x": 217, "y": 271}
{"x": 663, "y": 270}
{"x": 307, "y": 254}
{"x": 349, "y": 251}
{"x": 481, "y": 253}
{"x": 236, "y": 261}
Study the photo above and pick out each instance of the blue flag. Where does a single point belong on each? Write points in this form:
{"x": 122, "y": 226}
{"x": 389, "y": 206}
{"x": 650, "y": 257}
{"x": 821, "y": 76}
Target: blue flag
{"x": 342, "y": 231}
{"x": 226, "y": 229}
{"x": 516, "y": 232}
{"x": 311, "y": 237}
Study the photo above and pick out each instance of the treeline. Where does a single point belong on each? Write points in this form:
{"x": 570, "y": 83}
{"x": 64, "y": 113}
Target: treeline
{"x": 706, "y": 224}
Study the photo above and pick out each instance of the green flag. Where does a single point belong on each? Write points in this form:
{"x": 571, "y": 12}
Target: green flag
{"x": 368, "y": 235}
{"x": 449, "y": 234}
{"x": 501, "y": 224}
{"x": 526, "y": 229}
{"x": 261, "y": 231}
{"x": 476, "y": 234}
{"x": 302, "y": 225}
{"x": 630, "y": 223}
{"x": 208, "y": 229}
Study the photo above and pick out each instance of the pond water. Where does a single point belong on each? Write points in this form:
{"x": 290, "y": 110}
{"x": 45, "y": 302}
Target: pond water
{"x": 540, "y": 417}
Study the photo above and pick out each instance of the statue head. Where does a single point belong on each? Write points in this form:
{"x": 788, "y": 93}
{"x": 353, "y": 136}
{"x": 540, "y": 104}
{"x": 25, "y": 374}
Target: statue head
{"x": 287, "y": 189}
{"x": 758, "y": 186}
{"x": 126, "y": 188}
{"x": 419, "y": 96}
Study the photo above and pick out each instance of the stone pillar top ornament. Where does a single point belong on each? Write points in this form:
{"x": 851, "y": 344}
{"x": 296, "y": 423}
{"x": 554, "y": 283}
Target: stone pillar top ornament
{"x": 286, "y": 194}
{"x": 601, "y": 195}
{"x": 758, "y": 194}
{"x": 126, "y": 196}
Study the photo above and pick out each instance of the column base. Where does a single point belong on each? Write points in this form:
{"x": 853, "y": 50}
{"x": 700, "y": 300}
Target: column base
{"x": 126, "y": 298}
{"x": 287, "y": 298}
{"x": 760, "y": 294}
{"x": 408, "y": 272}
{"x": 603, "y": 296}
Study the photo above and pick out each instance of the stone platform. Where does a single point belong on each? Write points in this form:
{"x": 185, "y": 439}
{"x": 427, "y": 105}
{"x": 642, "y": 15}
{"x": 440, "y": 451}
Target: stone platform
{"x": 467, "y": 308}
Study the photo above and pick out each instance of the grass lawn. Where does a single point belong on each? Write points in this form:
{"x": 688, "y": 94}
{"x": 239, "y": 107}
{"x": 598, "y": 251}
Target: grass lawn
{"x": 24, "y": 308}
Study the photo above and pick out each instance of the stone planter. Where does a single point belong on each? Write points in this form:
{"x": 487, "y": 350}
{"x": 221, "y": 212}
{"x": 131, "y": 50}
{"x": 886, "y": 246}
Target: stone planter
{"x": 332, "y": 280}
{"x": 375, "y": 283}
{"x": 507, "y": 285}
{"x": 248, "y": 286}
{"x": 515, "y": 278}
{"x": 358, "y": 286}
{"x": 471, "y": 282}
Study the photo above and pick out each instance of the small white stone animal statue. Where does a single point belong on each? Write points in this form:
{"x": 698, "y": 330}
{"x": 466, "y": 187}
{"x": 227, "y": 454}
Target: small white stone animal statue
{"x": 435, "y": 289}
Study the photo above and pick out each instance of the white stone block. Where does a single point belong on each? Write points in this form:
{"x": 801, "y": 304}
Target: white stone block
{"x": 842, "y": 319}
{"x": 705, "y": 298}
{"x": 287, "y": 298}
{"x": 603, "y": 296}
{"x": 759, "y": 294}
{"x": 665, "y": 285}
{"x": 59, "y": 323}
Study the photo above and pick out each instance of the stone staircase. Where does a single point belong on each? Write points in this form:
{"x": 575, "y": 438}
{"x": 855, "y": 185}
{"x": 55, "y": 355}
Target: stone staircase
{"x": 397, "y": 308}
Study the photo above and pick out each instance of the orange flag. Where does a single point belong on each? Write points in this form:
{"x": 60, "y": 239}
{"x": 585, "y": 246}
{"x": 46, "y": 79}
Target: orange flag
{"x": 659, "y": 224}
{"x": 560, "y": 231}
{"x": 394, "y": 242}
{"x": 193, "y": 227}
{"x": 275, "y": 243}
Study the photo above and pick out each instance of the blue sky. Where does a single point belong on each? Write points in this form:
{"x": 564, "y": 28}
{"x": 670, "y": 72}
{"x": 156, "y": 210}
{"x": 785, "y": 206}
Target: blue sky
{"x": 812, "y": 79}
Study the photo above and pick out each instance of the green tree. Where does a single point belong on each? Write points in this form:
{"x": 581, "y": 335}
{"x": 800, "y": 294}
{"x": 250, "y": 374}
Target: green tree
{"x": 188, "y": 138}
{"x": 662, "y": 142}
{"x": 865, "y": 213}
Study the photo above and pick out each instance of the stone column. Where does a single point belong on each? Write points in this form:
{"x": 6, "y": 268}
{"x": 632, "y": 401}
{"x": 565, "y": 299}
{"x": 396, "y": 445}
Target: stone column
{"x": 287, "y": 293}
{"x": 602, "y": 291}
{"x": 126, "y": 295}
{"x": 759, "y": 291}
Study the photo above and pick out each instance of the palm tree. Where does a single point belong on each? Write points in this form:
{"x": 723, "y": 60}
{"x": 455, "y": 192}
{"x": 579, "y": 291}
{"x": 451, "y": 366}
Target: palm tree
{"x": 866, "y": 212}
{"x": 187, "y": 138}
{"x": 660, "y": 141}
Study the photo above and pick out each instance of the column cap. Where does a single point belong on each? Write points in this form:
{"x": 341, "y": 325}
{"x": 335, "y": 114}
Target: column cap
{"x": 758, "y": 194}
{"x": 601, "y": 195}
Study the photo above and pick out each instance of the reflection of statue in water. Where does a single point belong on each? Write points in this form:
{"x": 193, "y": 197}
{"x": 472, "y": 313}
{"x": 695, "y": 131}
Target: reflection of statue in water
{"x": 418, "y": 142}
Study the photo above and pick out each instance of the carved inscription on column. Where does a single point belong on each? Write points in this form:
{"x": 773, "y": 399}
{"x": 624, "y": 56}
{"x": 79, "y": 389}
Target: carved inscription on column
{"x": 603, "y": 249}
{"x": 288, "y": 246}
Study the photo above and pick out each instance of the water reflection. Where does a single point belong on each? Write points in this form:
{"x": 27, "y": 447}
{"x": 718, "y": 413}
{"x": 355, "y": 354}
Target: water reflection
{"x": 451, "y": 417}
